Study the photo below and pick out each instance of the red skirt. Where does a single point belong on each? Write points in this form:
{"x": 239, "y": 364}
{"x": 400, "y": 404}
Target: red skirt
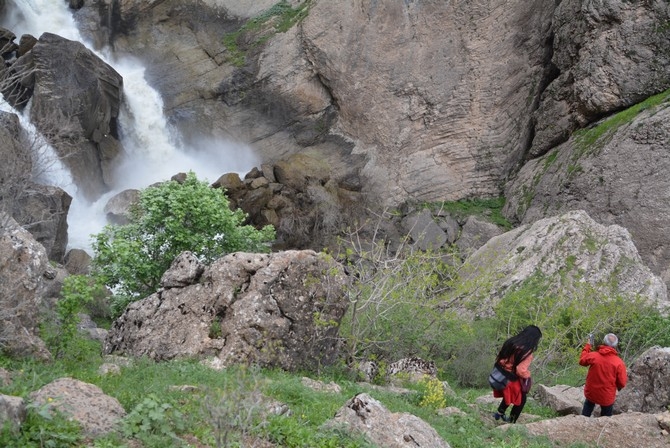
{"x": 511, "y": 393}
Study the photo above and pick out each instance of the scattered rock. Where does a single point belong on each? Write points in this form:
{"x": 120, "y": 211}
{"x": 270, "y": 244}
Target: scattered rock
{"x": 368, "y": 416}
{"x": 86, "y": 403}
{"x": 648, "y": 388}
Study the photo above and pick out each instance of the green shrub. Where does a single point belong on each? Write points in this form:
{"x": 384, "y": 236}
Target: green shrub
{"x": 170, "y": 218}
{"x": 44, "y": 427}
{"x": 473, "y": 348}
{"x": 395, "y": 308}
{"x": 154, "y": 422}
{"x": 60, "y": 331}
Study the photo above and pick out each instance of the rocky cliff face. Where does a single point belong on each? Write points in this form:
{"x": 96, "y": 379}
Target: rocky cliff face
{"x": 437, "y": 96}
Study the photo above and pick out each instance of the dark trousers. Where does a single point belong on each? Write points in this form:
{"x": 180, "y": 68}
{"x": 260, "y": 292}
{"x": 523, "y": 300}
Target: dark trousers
{"x": 516, "y": 409}
{"x": 605, "y": 411}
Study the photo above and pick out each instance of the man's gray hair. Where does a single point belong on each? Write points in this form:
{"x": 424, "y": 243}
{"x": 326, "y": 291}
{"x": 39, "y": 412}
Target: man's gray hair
{"x": 611, "y": 340}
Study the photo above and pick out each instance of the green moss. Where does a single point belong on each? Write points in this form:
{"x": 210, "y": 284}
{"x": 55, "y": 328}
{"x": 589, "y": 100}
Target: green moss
{"x": 278, "y": 19}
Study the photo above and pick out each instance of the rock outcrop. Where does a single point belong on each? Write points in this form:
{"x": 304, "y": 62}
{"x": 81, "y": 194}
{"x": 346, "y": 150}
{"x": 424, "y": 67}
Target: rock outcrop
{"x": 281, "y": 309}
{"x": 81, "y": 121}
{"x": 439, "y": 110}
{"x": 608, "y": 55}
{"x": 568, "y": 251}
{"x": 648, "y": 388}
{"x": 629, "y": 430}
{"x": 616, "y": 172}
{"x": 42, "y": 210}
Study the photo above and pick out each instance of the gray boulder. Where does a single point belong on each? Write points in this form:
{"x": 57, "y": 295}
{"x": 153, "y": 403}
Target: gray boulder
{"x": 564, "y": 400}
{"x": 80, "y": 122}
{"x": 117, "y": 209}
{"x": 85, "y": 403}
{"x": 474, "y": 234}
{"x": 12, "y": 410}
{"x": 569, "y": 251}
{"x": 24, "y": 267}
{"x": 43, "y": 210}
{"x": 77, "y": 262}
{"x": 363, "y": 414}
{"x": 648, "y": 388}
{"x": 425, "y": 232}
{"x": 281, "y": 309}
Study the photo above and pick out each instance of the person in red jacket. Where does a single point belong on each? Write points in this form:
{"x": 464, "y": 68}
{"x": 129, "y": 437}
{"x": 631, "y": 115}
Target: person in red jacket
{"x": 606, "y": 375}
{"x": 515, "y": 357}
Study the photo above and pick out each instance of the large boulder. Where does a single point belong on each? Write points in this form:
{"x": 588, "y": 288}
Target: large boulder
{"x": 569, "y": 252}
{"x": 609, "y": 54}
{"x": 85, "y": 403}
{"x": 616, "y": 172}
{"x": 81, "y": 121}
{"x": 648, "y": 388}
{"x": 24, "y": 267}
{"x": 281, "y": 309}
{"x": 43, "y": 210}
{"x": 562, "y": 399}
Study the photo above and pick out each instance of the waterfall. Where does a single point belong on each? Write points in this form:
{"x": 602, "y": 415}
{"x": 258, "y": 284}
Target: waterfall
{"x": 153, "y": 151}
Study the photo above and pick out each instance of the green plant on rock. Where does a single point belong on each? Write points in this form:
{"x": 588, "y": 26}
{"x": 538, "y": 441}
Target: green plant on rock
{"x": 168, "y": 219}
{"x": 593, "y": 139}
{"x": 44, "y": 427}
{"x": 490, "y": 209}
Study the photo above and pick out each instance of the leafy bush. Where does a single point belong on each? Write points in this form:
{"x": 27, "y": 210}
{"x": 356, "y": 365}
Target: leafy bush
{"x": 432, "y": 394}
{"x": 168, "y": 219}
{"x": 154, "y": 422}
{"x": 395, "y": 305}
{"x": 60, "y": 330}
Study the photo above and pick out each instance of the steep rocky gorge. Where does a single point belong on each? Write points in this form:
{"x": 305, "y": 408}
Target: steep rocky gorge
{"x": 413, "y": 102}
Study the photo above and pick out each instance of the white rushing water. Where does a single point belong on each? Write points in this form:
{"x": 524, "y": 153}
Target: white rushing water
{"x": 153, "y": 151}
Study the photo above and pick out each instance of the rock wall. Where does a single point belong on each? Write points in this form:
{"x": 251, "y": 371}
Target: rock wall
{"x": 438, "y": 109}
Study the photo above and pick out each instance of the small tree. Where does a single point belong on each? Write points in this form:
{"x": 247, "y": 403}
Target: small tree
{"x": 168, "y": 219}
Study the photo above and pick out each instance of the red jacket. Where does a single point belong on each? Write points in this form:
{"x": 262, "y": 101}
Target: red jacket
{"x": 607, "y": 374}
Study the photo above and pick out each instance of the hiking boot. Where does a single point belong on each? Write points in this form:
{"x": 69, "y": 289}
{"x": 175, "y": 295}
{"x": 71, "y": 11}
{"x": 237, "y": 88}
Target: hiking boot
{"x": 499, "y": 416}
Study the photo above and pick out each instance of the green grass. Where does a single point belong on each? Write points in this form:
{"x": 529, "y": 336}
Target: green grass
{"x": 489, "y": 209}
{"x": 227, "y": 403}
{"x": 593, "y": 139}
{"x": 278, "y": 19}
